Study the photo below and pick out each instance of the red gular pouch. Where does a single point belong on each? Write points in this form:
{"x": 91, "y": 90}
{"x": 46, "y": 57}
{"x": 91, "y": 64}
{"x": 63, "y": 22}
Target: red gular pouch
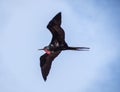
{"x": 47, "y": 51}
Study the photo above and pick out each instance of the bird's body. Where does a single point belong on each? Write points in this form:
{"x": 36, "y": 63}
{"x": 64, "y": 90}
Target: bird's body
{"x": 56, "y": 45}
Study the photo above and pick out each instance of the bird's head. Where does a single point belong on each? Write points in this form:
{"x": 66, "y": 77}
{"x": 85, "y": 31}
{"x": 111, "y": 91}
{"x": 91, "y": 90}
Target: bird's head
{"x": 46, "y": 49}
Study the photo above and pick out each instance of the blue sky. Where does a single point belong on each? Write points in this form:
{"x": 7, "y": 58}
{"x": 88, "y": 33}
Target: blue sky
{"x": 90, "y": 23}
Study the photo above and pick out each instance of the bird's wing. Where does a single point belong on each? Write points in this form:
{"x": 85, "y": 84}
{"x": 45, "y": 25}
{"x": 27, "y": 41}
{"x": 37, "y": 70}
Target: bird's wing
{"x": 56, "y": 30}
{"x": 45, "y": 63}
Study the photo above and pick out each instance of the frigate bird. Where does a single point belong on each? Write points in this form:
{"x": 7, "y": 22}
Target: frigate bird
{"x": 56, "y": 45}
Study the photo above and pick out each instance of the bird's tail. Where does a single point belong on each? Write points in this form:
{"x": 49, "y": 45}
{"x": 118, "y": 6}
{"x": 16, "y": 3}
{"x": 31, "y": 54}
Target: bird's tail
{"x": 78, "y": 48}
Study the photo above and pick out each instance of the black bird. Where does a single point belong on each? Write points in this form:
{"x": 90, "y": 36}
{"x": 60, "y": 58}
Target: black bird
{"x": 56, "y": 45}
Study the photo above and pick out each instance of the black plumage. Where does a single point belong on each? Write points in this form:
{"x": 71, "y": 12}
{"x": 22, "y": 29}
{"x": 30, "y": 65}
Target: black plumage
{"x": 56, "y": 45}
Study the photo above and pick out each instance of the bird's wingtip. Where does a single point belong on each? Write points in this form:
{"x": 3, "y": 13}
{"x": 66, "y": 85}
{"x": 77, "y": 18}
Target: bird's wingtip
{"x": 45, "y": 79}
{"x": 59, "y": 13}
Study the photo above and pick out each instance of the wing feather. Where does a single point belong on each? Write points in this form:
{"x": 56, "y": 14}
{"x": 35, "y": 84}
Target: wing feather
{"x": 56, "y": 30}
{"x": 46, "y": 62}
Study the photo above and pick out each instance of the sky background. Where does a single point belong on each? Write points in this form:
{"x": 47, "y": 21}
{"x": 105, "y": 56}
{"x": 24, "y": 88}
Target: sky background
{"x": 90, "y": 23}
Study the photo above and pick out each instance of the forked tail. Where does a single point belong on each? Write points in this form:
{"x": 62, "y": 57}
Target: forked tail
{"x": 78, "y": 48}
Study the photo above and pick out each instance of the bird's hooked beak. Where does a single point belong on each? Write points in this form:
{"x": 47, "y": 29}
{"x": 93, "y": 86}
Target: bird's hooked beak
{"x": 40, "y": 49}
